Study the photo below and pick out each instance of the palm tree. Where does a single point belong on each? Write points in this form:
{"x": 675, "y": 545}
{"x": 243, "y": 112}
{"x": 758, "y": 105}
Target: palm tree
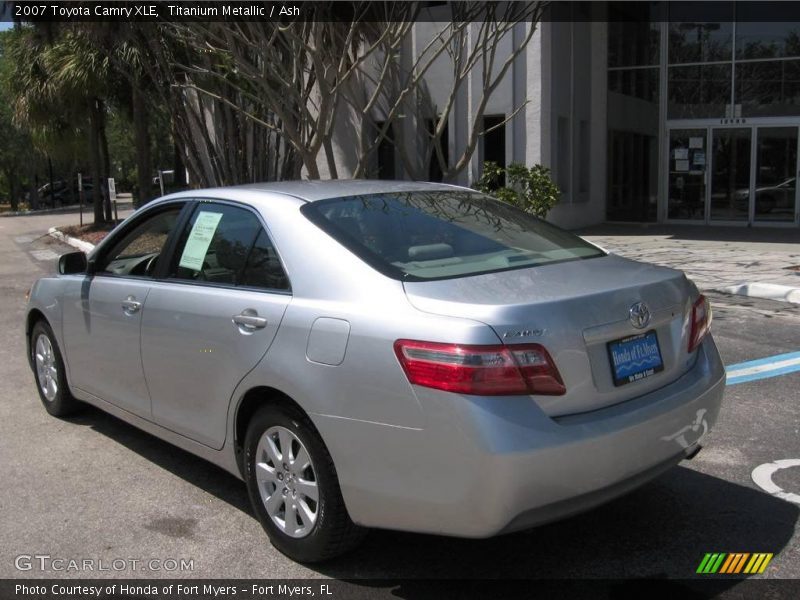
{"x": 57, "y": 88}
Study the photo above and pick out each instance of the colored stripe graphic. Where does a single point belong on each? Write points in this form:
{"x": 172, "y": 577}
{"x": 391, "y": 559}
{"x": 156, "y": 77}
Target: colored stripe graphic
{"x": 734, "y": 563}
{"x": 771, "y": 366}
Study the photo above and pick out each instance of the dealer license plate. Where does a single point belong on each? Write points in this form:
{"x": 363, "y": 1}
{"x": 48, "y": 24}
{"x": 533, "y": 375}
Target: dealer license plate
{"x": 635, "y": 357}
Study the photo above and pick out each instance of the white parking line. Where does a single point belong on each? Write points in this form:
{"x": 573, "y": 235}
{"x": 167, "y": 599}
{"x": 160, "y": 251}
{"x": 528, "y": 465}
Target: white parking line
{"x": 762, "y": 476}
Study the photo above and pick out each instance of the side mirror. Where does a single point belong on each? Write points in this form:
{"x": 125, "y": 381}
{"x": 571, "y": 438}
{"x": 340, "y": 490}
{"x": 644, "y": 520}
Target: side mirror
{"x": 73, "y": 263}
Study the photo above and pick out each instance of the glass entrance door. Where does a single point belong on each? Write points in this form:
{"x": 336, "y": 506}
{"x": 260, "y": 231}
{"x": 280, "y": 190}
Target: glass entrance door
{"x": 730, "y": 174}
{"x": 687, "y": 174}
{"x": 776, "y": 174}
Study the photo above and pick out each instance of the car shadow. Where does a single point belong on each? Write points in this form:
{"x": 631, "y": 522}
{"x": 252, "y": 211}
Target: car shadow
{"x": 201, "y": 473}
{"x": 660, "y": 530}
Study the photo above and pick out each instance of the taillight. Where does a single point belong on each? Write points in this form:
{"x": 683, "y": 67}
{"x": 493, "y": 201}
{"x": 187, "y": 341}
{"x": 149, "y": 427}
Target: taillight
{"x": 480, "y": 370}
{"x": 701, "y": 322}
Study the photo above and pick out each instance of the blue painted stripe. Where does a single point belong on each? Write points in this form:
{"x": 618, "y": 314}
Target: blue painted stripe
{"x": 763, "y": 374}
{"x": 763, "y": 361}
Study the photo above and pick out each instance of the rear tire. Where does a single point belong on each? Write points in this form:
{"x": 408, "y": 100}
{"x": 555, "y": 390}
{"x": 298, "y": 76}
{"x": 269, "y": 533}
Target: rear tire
{"x": 294, "y": 488}
{"x": 49, "y": 372}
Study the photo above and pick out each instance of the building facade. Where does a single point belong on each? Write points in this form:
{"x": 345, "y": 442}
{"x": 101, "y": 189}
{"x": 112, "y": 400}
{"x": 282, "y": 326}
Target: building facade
{"x": 645, "y": 116}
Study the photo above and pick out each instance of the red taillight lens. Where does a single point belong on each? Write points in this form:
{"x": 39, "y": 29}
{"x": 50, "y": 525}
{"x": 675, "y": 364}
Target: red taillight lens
{"x": 480, "y": 370}
{"x": 701, "y": 322}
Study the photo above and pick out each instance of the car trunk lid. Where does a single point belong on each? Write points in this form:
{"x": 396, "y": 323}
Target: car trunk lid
{"x": 574, "y": 309}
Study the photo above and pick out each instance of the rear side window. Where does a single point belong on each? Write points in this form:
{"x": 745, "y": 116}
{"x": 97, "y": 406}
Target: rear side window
{"x": 227, "y": 245}
{"x": 418, "y": 236}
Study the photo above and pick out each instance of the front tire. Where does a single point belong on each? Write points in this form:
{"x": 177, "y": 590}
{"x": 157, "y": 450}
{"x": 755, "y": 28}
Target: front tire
{"x": 49, "y": 372}
{"x": 294, "y": 489}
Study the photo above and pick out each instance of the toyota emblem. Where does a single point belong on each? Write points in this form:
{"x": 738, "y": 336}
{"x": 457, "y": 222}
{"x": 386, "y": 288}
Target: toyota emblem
{"x": 640, "y": 315}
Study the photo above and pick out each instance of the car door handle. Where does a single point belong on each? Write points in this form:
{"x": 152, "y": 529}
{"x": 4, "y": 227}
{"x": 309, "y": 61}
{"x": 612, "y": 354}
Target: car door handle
{"x": 250, "y": 320}
{"x": 130, "y": 305}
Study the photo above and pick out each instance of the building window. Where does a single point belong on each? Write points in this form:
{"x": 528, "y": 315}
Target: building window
{"x": 634, "y": 34}
{"x": 494, "y": 142}
{"x": 563, "y": 154}
{"x": 385, "y": 153}
{"x": 632, "y": 176}
{"x": 692, "y": 42}
{"x": 766, "y": 40}
{"x": 699, "y": 91}
{"x": 768, "y": 88}
{"x": 632, "y": 119}
{"x": 584, "y": 158}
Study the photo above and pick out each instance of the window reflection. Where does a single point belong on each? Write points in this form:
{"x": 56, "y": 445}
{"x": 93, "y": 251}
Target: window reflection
{"x": 698, "y": 92}
{"x": 638, "y": 83}
{"x": 768, "y": 89}
{"x": 767, "y": 40}
{"x": 700, "y": 42}
{"x": 633, "y": 34}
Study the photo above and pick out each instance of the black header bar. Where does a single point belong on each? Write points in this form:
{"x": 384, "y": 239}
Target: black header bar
{"x": 383, "y": 10}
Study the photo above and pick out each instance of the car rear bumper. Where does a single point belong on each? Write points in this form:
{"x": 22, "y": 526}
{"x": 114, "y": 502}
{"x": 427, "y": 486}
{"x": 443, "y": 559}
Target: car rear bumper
{"x": 484, "y": 466}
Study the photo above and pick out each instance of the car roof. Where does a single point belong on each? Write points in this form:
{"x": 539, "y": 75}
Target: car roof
{"x": 313, "y": 190}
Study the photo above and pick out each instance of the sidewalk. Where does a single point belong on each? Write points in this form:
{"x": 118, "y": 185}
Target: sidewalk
{"x": 742, "y": 260}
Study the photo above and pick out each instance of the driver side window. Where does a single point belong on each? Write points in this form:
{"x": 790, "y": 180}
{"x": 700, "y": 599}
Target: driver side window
{"x": 138, "y": 252}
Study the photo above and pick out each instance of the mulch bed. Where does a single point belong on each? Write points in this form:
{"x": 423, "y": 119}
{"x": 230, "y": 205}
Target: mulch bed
{"x": 91, "y": 233}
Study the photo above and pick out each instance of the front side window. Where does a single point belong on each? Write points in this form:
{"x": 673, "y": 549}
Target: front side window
{"x": 138, "y": 252}
{"x": 227, "y": 245}
{"x": 418, "y": 236}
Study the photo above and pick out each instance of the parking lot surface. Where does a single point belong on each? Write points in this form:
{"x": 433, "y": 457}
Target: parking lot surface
{"x": 92, "y": 487}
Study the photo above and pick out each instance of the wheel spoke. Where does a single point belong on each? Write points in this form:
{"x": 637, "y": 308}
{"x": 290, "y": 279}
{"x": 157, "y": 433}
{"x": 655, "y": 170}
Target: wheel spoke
{"x": 272, "y": 450}
{"x": 290, "y": 518}
{"x": 53, "y": 372}
{"x": 306, "y": 515}
{"x": 274, "y": 502}
{"x": 52, "y": 389}
{"x": 300, "y": 462}
{"x": 308, "y": 489}
{"x": 265, "y": 473}
{"x": 286, "y": 445}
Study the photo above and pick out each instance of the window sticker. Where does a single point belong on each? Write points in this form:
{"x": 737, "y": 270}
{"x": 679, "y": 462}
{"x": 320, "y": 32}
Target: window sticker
{"x": 203, "y": 230}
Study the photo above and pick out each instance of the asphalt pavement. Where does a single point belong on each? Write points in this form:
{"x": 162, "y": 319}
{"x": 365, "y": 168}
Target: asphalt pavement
{"x": 92, "y": 487}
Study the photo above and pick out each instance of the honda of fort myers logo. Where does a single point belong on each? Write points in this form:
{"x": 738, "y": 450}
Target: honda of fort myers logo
{"x": 734, "y": 563}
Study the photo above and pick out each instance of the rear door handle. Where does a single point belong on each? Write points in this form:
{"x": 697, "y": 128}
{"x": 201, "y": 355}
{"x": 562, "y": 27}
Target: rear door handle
{"x": 249, "y": 319}
{"x": 130, "y": 305}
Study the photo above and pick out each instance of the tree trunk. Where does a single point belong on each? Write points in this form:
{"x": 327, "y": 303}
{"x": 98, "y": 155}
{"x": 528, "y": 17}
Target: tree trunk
{"x": 178, "y": 165}
{"x": 141, "y": 132}
{"x": 12, "y": 188}
{"x": 94, "y": 163}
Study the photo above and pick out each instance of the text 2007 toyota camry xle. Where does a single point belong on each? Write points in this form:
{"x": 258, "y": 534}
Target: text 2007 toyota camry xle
{"x": 382, "y": 354}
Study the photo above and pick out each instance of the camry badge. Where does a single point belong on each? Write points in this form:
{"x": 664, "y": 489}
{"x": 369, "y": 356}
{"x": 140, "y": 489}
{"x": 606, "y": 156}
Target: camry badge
{"x": 640, "y": 315}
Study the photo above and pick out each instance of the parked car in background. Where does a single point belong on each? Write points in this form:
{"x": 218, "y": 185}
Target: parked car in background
{"x": 775, "y": 196}
{"x": 399, "y": 355}
{"x": 61, "y": 195}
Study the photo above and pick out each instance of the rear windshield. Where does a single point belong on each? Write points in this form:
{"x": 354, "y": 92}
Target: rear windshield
{"x": 419, "y": 236}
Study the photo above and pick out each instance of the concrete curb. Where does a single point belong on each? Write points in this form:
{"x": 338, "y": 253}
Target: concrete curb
{"x": 70, "y": 241}
{"x": 769, "y": 291}
{"x": 44, "y": 211}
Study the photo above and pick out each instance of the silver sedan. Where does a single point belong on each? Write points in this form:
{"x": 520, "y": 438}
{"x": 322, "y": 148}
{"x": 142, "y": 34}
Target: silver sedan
{"x": 366, "y": 354}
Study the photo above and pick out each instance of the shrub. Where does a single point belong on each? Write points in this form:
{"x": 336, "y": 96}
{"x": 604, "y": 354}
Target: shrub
{"x": 528, "y": 188}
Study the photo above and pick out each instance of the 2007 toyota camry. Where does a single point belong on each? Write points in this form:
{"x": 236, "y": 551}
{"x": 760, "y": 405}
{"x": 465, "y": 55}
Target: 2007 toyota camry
{"x": 382, "y": 354}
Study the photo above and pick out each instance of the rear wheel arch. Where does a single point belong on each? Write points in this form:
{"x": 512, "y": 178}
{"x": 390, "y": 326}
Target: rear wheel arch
{"x": 249, "y": 405}
{"x": 34, "y": 316}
